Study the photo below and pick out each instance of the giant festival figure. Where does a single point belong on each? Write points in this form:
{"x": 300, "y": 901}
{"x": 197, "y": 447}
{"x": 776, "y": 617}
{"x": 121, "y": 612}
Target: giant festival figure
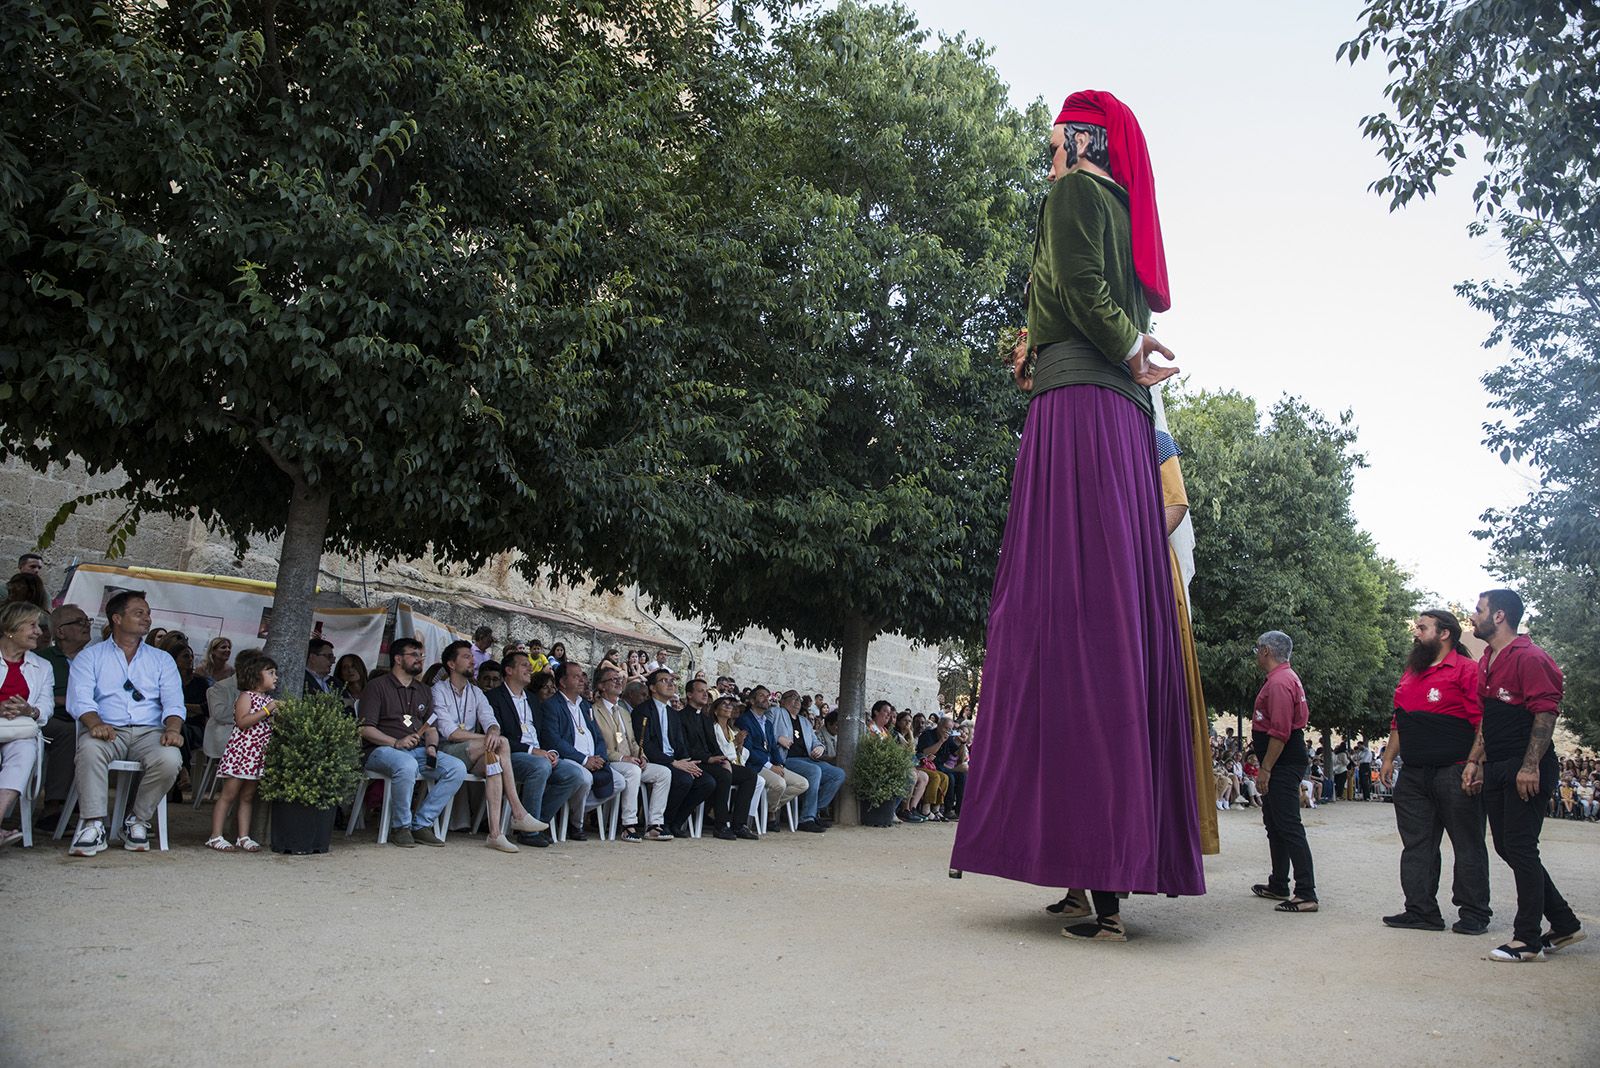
{"x": 1082, "y": 776}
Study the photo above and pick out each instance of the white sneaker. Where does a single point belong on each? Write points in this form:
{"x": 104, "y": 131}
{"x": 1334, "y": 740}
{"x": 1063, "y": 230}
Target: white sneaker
{"x": 136, "y": 835}
{"x": 90, "y": 839}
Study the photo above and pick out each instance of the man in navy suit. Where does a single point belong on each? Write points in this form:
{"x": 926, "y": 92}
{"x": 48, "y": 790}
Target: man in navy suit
{"x": 566, "y": 724}
{"x": 661, "y": 733}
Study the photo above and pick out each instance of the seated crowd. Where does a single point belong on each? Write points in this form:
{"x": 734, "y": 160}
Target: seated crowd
{"x": 539, "y": 730}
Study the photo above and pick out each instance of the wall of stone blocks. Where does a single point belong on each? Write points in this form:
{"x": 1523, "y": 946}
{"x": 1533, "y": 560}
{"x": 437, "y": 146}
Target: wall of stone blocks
{"x": 897, "y": 669}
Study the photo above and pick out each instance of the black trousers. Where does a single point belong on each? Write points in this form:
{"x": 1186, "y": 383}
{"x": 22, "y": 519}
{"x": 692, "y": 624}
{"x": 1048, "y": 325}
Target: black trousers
{"x": 1286, "y": 835}
{"x": 1515, "y": 825}
{"x": 686, "y": 794}
{"x": 958, "y": 790}
{"x": 1364, "y": 780}
{"x": 1428, "y": 804}
{"x": 735, "y": 789}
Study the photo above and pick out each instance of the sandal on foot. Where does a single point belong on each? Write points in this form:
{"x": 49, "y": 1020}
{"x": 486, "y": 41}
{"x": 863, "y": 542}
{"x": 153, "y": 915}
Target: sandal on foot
{"x": 220, "y": 844}
{"x": 1263, "y": 890}
{"x": 9, "y": 837}
{"x": 1516, "y": 954}
{"x": 1104, "y": 930}
{"x": 1071, "y": 907}
{"x": 247, "y": 845}
{"x": 1295, "y": 905}
{"x": 1552, "y": 942}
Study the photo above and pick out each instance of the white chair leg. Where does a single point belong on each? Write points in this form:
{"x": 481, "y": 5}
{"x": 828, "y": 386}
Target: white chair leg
{"x": 388, "y": 807}
{"x": 758, "y": 806}
{"x": 66, "y": 811}
{"x": 792, "y": 810}
{"x": 558, "y": 826}
{"x": 616, "y": 813}
{"x": 161, "y": 823}
{"x": 208, "y": 781}
{"x": 697, "y": 820}
{"x": 119, "y": 811}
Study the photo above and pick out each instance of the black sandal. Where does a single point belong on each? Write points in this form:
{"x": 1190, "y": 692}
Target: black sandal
{"x": 1263, "y": 890}
{"x": 1099, "y": 930}
{"x": 1296, "y": 905}
{"x": 1070, "y": 906}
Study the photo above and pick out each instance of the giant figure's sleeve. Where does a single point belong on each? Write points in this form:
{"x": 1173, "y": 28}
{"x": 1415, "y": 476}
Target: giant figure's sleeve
{"x": 1075, "y": 221}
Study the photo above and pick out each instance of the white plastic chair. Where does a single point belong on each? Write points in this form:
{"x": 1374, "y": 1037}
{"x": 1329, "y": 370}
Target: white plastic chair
{"x": 125, "y": 775}
{"x": 791, "y": 808}
{"x": 357, "y": 815}
{"x": 558, "y": 826}
{"x": 758, "y": 808}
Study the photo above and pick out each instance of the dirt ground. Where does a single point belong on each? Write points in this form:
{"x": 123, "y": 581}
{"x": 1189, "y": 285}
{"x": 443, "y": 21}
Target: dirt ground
{"x": 847, "y": 948}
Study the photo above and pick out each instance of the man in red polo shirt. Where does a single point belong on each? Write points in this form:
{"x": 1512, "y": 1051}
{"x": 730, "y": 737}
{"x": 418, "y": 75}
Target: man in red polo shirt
{"x": 1515, "y": 768}
{"x": 1278, "y": 739}
{"x": 1436, "y": 716}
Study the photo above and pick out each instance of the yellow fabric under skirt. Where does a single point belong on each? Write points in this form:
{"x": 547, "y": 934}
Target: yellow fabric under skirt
{"x": 1205, "y": 785}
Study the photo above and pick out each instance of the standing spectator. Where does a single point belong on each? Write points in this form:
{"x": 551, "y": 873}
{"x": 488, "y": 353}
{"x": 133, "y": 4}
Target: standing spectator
{"x": 1341, "y": 769}
{"x": 1364, "y": 769}
{"x": 215, "y": 668}
{"x": 128, "y": 700}
{"x": 245, "y": 754}
{"x": 1279, "y": 741}
{"x": 71, "y": 627}
{"x": 26, "y": 700}
{"x": 658, "y": 663}
{"x": 394, "y": 714}
{"x": 482, "y": 639}
{"x": 319, "y": 666}
{"x": 31, "y": 564}
{"x": 537, "y": 661}
{"x": 1512, "y": 764}
{"x": 558, "y": 656}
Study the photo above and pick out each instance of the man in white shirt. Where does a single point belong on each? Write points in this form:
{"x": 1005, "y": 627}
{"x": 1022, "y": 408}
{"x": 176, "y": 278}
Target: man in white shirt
{"x": 482, "y": 639}
{"x": 469, "y": 731}
{"x": 128, "y": 700}
{"x": 629, "y": 768}
{"x": 658, "y": 663}
{"x": 544, "y": 779}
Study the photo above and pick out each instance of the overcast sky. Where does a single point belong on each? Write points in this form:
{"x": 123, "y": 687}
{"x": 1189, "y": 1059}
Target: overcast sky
{"x": 1288, "y": 276}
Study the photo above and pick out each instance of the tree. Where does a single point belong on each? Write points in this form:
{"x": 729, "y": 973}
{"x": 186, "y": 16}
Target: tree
{"x": 960, "y": 673}
{"x": 380, "y": 276}
{"x": 1276, "y": 548}
{"x": 1523, "y": 79}
{"x": 874, "y": 207}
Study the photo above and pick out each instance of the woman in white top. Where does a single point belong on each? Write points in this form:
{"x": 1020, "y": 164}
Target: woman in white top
{"x": 27, "y": 697}
{"x": 730, "y": 739}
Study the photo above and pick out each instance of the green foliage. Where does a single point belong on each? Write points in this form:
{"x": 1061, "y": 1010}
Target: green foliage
{"x": 427, "y": 258}
{"x": 882, "y": 770}
{"x": 873, "y": 209}
{"x": 1521, "y": 78}
{"x": 1276, "y": 548}
{"x": 314, "y": 755}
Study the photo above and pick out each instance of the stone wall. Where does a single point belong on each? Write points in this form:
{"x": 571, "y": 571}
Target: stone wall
{"x": 897, "y": 669}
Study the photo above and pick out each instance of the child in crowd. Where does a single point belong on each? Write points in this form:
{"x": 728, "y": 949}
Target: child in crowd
{"x": 245, "y": 754}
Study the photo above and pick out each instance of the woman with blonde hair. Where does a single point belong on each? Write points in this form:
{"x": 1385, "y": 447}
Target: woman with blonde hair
{"x": 27, "y": 698}
{"x": 214, "y": 667}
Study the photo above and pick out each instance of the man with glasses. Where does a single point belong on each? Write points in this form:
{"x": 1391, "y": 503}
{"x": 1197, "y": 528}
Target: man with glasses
{"x": 71, "y": 628}
{"x": 319, "y": 666}
{"x": 397, "y": 733}
{"x": 128, "y": 700}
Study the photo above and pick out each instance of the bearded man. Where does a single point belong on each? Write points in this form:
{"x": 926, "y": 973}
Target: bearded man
{"x": 1436, "y": 717}
{"x": 1084, "y": 776}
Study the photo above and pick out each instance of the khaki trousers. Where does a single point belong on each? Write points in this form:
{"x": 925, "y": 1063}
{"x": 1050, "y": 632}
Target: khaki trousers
{"x": 781, "y": 784}
{"x": 161, "y": 765}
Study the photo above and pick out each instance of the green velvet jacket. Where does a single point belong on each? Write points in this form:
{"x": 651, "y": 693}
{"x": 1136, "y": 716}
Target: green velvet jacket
{"x": 1085, "y": 304}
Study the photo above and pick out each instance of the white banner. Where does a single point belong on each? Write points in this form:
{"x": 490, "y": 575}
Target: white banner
{"x": 208, "y": 606}
{"x": 434, "y": 635}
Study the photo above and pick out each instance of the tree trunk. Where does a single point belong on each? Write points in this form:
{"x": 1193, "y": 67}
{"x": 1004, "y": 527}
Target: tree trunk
{"x": 299, "y": 560}
{"x": 854, "y": 643}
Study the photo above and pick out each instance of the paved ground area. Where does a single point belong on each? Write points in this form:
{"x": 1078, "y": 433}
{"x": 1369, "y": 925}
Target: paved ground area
{"x": 848, "y": 948}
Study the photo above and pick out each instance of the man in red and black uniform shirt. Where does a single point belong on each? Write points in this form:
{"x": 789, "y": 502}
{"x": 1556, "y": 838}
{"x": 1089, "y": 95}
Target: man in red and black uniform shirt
{"x": 1436, "y": 716}
{"x": 1278, "y": 740}
{"x": 1514, "y": 766}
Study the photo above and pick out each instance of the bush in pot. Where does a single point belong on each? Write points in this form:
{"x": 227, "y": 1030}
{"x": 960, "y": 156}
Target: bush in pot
{"x": 881, "y": 775}
{"x": 313, "y": 764}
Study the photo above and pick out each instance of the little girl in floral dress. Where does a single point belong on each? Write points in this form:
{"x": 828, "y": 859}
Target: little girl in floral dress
{"x": 242, "y": 759}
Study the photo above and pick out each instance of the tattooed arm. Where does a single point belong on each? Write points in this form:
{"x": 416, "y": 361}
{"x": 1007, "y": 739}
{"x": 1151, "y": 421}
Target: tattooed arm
{"x": 1544, "y": 725}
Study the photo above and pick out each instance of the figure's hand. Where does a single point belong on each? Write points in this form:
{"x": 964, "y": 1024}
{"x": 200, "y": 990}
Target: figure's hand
{"x": 1386, "y": 774}
{"x": 1471, "y": 778}
{"x": 172, "y": 739}
{"x": 1019, "y": 361}
{"x": 1263, "y": 777}
{"x": 104, "y": 732}
{"x": 1527, "y": 783}
{"x": 1144, "y": 371}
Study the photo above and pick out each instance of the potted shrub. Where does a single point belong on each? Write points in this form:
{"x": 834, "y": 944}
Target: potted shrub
{"x": 880, "y": 778}
{"x": 313, "y": 763}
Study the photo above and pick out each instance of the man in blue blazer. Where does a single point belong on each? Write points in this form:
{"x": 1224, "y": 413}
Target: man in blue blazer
{"x": 566, "y": 724}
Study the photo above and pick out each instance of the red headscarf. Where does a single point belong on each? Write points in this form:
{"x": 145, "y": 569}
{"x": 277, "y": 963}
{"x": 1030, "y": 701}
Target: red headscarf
{"x": 1130, "y": 168}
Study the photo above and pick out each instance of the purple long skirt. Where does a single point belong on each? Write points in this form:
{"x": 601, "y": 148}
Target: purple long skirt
{"x": 1080, "y": 773}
